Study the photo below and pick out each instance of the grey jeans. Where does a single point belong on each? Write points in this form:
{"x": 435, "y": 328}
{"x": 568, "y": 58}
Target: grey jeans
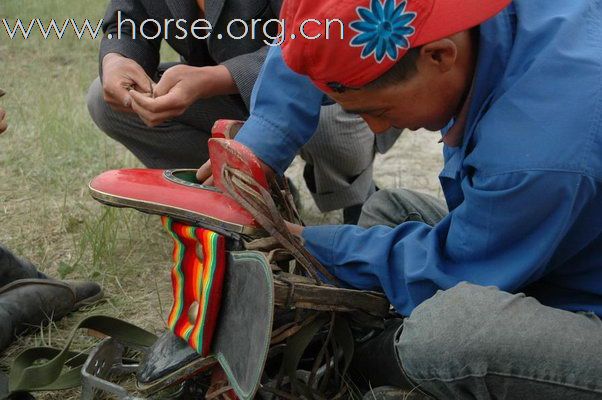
{"x": 474, "y": 342}
{"x": 339, "y": 157}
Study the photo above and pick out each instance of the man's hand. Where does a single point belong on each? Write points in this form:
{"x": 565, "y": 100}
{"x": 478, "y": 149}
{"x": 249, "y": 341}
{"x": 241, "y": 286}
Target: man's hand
{"x": 3, "y": 123}
{"x": 179, "y": 88}
{"x": 204, "y": 174}
{"x": 120, "y": 75}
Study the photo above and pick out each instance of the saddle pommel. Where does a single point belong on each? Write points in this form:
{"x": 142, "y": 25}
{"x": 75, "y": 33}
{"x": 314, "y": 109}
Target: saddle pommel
{"x": 226, "y": 153}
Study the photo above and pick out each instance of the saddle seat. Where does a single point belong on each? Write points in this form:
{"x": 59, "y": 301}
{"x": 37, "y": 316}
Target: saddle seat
{"x": 175, "y": 193}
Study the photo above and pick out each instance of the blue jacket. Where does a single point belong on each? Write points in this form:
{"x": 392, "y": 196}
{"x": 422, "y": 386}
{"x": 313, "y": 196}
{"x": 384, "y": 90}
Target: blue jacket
{"x": 524, "y": 190}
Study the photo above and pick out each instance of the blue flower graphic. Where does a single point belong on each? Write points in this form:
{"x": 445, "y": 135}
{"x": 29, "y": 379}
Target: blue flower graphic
{"x": 383, "y": 29}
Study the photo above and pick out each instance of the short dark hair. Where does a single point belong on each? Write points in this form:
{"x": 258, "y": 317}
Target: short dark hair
{"x": 404, "y": 68}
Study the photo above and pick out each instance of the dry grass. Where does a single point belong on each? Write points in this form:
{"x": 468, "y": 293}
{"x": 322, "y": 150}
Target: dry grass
{"x": 52, "y": 150}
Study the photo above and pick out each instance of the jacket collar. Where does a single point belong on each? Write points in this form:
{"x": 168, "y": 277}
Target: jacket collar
{"x": 496, "y": 38}
{"x": 189, "y": 10}
{"x": 186, "y": 9}
{"x": 213, "y": 9}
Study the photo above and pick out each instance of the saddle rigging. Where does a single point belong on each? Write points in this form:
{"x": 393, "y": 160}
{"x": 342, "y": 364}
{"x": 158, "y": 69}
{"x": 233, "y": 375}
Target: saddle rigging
{"x": 247, "y": 295}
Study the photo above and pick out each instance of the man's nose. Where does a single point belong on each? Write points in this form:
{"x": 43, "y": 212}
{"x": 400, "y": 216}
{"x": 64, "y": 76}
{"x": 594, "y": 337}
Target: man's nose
{"x": 376, "y": 125}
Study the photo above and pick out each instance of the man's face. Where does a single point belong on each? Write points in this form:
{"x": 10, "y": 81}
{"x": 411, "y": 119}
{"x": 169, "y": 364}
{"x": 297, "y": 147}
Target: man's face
{"x": 429, "y": 98}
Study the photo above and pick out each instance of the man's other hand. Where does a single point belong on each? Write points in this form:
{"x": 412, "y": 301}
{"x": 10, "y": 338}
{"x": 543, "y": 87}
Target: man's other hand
{"x": 119, "y": 76}
{"x": 295, "y": 229}
{"x": 3, "y": 120}
{"x": 179, "y": 88}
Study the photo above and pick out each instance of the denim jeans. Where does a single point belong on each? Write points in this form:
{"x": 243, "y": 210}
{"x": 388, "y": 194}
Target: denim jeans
{"x": 474, "y": 342}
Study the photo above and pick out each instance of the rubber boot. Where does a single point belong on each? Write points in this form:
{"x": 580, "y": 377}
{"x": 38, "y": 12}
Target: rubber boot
{"x": 13, "y": 268}
{"x": 30, "y": 303}
{"x": 375, "y": 362}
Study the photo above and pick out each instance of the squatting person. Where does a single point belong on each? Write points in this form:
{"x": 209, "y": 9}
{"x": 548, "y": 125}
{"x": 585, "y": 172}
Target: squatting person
{"x": 214, "y": 81}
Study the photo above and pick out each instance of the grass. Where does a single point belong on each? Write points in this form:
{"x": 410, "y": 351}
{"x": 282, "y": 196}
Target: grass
{"x": 52, "y": 150}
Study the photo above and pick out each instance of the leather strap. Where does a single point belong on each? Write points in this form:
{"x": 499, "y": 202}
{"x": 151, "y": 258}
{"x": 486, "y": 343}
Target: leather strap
{"x": 41, "y": 368}
{"x": 259, "y": 202}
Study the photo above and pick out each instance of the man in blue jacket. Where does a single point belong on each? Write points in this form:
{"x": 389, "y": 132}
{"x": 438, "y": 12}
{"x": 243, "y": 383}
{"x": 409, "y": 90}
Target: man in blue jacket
{"x": 517, "y": 91}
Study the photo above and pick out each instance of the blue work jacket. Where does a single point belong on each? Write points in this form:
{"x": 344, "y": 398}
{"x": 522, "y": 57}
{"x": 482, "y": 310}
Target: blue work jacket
{"x": 524, "y": 189}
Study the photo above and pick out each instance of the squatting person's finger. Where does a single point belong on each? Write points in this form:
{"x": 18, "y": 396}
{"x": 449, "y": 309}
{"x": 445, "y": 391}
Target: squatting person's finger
{"x": 141, "y": 79}
{"x": 136, "y": 80}
{"x": 167, "y": 82}
{"x": 116, "y": 96}
{"x": 151, "y": 119}
{"x": 167, "y": 103}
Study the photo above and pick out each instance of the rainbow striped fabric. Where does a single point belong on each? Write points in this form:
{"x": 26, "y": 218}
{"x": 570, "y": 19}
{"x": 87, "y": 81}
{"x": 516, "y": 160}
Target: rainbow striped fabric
{"x": 197, "y": 280}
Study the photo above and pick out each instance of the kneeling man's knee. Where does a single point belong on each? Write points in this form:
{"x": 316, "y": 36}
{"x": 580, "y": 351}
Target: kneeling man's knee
{"x": 97, "y": 106}
{"x": 451, "y": 334}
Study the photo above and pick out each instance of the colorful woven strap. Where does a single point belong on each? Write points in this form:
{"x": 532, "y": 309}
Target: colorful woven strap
{"x": 197, "y": 277}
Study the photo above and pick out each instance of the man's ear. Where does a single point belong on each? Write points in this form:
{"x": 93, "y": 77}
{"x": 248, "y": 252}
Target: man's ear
{"x": 440, "y": 55}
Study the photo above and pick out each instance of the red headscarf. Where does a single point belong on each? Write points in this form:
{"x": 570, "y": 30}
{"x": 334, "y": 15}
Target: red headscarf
{"x": 375, "y": 34}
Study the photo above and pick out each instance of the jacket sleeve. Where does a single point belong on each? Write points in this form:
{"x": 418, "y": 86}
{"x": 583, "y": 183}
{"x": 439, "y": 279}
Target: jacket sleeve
{"x": 245, "y": 70}
{"x": 285, "y": 111}
{"x": 130, "y": 43}
{"x": 504, "y": 234}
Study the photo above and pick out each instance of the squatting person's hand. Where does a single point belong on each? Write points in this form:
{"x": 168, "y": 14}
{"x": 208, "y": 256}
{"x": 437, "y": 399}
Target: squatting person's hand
{"x": 3, "y": 120}
{"x": 120, "y": 75}
{"x": 179, "y": 88}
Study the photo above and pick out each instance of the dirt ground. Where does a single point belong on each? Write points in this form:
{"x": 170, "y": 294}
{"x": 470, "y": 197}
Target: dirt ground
{"x": 414, "y": 163}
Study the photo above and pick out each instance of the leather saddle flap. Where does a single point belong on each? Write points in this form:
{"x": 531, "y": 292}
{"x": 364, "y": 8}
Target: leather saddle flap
{"x": 175, "y": 193}
{"x": 244, "y": 329}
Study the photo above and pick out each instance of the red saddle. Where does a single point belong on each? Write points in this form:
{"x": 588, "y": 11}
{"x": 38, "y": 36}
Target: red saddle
{"x": 226, "y": 283}
{"x": 212, "y": 282}
{"x": 178, "y": 194}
